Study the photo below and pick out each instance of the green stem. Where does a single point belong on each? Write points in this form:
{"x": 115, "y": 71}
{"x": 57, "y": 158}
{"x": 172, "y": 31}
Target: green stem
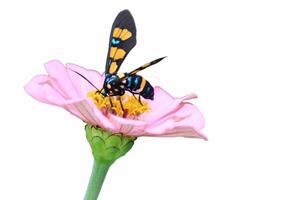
{"x": 99, "y": 172}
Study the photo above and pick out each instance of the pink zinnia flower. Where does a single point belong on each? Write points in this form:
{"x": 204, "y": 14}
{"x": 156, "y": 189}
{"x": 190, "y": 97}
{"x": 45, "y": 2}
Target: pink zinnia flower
{"x": 165, "y": 116}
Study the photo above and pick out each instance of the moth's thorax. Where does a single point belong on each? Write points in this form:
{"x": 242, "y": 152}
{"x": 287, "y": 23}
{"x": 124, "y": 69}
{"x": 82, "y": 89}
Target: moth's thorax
{"x": 113, "y": 86}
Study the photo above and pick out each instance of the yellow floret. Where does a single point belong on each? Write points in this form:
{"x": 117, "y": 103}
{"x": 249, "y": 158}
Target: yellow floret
{"x": 132, "y": 106}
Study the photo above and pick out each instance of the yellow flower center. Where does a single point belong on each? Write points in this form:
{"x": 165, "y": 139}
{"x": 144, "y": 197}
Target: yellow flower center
{"x": 131, "y": 107}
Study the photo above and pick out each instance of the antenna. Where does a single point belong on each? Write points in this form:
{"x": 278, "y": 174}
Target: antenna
{"x": 86, "y": 80}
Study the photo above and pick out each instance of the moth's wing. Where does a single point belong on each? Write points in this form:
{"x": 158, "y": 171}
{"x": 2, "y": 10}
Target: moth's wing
{"x": 122, "y": 40}
{"x": 145, "y": 66}
{"x": 134, "y": 72}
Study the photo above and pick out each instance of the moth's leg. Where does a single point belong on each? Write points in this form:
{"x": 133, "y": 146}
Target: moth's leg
{"x": 134, "y": 95}
{"x": 99, "y": 91}
{"x": 119, "y": 98}
{"x": 111, "y": 103}
{"x": 140, "y": 99}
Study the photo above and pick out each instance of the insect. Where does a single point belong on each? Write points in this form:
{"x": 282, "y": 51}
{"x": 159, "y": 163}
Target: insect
{"x": 122, "y": 40}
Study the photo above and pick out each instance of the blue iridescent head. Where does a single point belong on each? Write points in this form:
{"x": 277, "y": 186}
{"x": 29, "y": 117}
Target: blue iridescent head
{"x": 112, "y": 86}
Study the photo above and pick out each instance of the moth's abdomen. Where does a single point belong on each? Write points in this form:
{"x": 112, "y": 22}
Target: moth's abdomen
{"x": 148, "y": 91}
{"x": 138, "y": 85}
{"x": 134, "y": 82}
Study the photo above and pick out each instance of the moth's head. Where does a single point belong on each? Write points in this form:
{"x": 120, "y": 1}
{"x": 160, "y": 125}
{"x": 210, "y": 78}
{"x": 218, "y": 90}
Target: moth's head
{"x": 111, "y": 86}
{"x": 111, "y": 80}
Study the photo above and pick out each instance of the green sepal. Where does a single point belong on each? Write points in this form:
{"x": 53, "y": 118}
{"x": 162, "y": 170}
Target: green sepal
{"x": 106, "y": 146}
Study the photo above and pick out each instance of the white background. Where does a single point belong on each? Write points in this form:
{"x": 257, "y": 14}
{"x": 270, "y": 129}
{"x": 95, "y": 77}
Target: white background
{"x": 240, "y": 57}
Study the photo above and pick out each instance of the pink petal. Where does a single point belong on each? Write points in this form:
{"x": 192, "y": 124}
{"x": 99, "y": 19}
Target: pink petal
{"x": 183, "y": 132}
{"x": 41, "y": 89}
{"x": 82, "y": 85}
{"x": 127, "y": 126}
{"x": 61, "y": 80}
{"x": 52, "y": 90}
{"x": 84, "y": 108}
{"x": 163, "y": 104}
{"x": 123, "y": 121}
{"x": 187, "y": 121}
{"x": 35, "y": 88}
{"x": 103, "y": 121}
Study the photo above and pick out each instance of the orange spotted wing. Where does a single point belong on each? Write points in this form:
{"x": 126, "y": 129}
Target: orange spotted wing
{"x": 122, "y": 40}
